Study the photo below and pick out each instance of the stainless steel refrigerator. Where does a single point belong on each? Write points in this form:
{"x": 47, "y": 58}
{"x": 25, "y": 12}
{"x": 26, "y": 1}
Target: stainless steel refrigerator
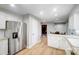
{"x": 17, "y": 37}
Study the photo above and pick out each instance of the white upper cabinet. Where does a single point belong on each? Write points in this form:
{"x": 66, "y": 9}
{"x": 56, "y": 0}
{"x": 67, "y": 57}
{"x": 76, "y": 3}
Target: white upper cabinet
{"x": 74, "y": 22}
{"x": 71, "y": 22}
{"x": 5, "y": 16}
{"x": 2, "y": 21}
{"x": 2, "y": 24}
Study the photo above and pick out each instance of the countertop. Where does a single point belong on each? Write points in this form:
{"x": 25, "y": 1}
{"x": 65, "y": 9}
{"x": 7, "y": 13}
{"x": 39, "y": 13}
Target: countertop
{"x": 73, "y": 39}
{"x": 3, "y": 38}
{"x": 68, "y": 36}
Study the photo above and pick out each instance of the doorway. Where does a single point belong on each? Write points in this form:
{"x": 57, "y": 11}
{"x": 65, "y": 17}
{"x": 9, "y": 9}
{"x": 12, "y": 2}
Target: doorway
{"x": 44, "y": 30}
{"x": 24, "y": 42}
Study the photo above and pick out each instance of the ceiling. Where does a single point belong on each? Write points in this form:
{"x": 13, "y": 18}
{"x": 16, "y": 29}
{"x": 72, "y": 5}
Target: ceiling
{"x": 45, "y": 12}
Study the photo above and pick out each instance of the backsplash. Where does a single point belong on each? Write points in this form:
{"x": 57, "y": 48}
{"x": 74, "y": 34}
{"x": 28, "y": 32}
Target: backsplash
{"x": 71, "y": 32}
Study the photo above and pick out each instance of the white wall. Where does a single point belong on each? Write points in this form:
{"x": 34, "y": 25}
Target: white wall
{"x": 51, "y": 27}
{"x": 6, "y": 16}
{"x": 33, "y": 30}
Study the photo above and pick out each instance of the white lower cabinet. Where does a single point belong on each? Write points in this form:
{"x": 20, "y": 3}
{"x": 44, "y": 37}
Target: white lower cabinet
{"x": 3, "y": 47}
{"x": 58, "y": 41}
{"x": 53, "y": 42}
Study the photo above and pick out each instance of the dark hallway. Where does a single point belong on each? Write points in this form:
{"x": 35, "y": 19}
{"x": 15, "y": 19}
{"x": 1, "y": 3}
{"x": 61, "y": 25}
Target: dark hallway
{"x": 44, "y": 29}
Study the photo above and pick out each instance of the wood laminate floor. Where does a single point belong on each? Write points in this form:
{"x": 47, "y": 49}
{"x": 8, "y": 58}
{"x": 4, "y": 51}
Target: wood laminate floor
{"x": 41, "y": 49}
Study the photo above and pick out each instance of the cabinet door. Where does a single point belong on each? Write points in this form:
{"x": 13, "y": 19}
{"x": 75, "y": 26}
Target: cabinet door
{"x": 76, "y": 21}
{"x": 3, "y": 47}
{"x": 62, "y": 43}
{"x": 0, "y": 47}
{"x": 56, "y": 42}
{"x": 2, "y": 21}
{"x": 2, "y": 24}
{"x": 53, "y": 42}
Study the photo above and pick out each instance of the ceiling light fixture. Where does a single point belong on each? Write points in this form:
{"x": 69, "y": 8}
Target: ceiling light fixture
{"x": 54, "y": 9}
{"x": 57, "y": 19}
{"x": 41, "y": 12}
{"x": 12, "y": 5}
{"x": 56, "y": 14}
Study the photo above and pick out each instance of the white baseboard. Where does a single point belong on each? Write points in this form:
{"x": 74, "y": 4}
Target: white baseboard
{"x": 33, "y": 44}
